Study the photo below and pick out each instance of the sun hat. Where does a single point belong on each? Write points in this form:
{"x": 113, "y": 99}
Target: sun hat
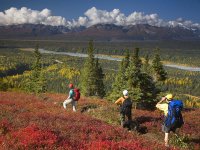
{"x": 169, "y": 96}
{"x": 125, "y": 93}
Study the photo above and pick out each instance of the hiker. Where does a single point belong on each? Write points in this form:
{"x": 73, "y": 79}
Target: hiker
{"x": 172, "y": 115}
{"x": 74, "y": 96}
{"x": 125, "y": 109}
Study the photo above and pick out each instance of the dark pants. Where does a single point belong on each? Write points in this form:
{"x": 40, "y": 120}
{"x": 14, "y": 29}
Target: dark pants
{"x": 124, "y": 115}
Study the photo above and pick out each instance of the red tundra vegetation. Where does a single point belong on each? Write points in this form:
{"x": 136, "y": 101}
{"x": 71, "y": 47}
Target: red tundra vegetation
{"x": 40, "y": 122}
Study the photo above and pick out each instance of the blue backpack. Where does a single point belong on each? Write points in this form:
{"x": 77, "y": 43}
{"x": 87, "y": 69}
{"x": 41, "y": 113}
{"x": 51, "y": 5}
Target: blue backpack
{"x": 174, "y": 117}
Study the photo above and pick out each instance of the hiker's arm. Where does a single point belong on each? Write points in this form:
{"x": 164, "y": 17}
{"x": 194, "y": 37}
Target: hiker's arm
{"x": 119, "y": 101}
{"x": 162, "y": 99}
{"x": 68, "y": 96}
{"x": 161, "y": 106}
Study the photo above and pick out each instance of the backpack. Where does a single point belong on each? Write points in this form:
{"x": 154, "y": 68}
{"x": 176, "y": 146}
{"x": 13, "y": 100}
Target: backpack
{"x": 77, "y": 94}
{"x": 126, "y": 105}
{"x": 174, "y": 117}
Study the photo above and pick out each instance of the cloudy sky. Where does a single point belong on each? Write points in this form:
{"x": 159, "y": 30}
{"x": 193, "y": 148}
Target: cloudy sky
{"x": 89, "y": 12}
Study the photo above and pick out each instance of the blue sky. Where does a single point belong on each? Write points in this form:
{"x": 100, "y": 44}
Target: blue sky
{"x": 72, "y": 9}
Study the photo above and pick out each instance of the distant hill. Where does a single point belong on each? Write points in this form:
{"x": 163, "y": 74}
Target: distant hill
{"x": 99, "y": 32}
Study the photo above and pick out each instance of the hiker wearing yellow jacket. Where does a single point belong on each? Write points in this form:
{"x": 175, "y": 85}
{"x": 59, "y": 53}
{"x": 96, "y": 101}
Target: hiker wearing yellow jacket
{"x": 163, "y": 106}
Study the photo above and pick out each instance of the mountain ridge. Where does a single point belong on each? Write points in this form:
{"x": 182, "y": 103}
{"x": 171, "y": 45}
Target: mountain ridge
{"x": 102, "y": 32}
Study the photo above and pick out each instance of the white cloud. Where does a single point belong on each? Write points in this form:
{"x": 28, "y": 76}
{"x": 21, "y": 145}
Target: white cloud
{"x": 91, "y": 17}
{"x": 25, "y": 15}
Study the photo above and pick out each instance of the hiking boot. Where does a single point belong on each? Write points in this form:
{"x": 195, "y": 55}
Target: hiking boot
{"x": 166, "y": 145}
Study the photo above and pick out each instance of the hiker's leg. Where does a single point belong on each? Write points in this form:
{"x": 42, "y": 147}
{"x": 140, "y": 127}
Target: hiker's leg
{"x": 74, "y": 103}
{"x": 166, "y": 139}
{"x": 128, "y": 122}
{"x": 129, "y": 115}
{"x": 67, "y": 101}
{"x": 166, "y": 130}
{"x": 122, "y": 118}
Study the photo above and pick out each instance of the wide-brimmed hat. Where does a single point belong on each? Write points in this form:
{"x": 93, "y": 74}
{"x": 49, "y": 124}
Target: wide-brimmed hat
{"x": 169, "y": 96}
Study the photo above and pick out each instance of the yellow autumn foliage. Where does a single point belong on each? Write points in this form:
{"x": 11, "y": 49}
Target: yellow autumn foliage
{"x": 2, "y": 68}
{"x": 192, "y": 101}
{"x": 52, "y": 68}
{"x": 68, "y": 73}
{"x": 192, "y": 104}
{"x": 15, "y": 76}
{"x": 179, "y": 81}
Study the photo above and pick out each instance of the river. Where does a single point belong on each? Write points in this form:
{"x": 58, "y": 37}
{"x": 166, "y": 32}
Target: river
{"x": 116, "y": 59}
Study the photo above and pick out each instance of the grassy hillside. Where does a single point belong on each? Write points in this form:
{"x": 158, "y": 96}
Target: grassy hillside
{"x": 40, "y": 122}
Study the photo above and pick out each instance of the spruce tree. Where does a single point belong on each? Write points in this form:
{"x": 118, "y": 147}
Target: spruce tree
{"x": 159, "y": 74}
{"x": 99, "y": 80}
{"x": 149, "y": 90}
{"x": 36, "y": 82}
{"x": 140, "y": 84}
{"x": 92, "y": 75}
{"x": 120, "y": 81}
{"x": 146, "y": 65}
{"x": 133, "y": 75}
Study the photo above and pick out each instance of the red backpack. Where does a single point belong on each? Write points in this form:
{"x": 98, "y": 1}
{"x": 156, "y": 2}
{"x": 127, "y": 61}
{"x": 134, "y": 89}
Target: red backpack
{"x": 77, "y": 94}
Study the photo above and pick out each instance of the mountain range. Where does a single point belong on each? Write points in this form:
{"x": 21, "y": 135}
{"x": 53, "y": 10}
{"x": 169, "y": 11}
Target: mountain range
{"x": 99, "y": 32}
